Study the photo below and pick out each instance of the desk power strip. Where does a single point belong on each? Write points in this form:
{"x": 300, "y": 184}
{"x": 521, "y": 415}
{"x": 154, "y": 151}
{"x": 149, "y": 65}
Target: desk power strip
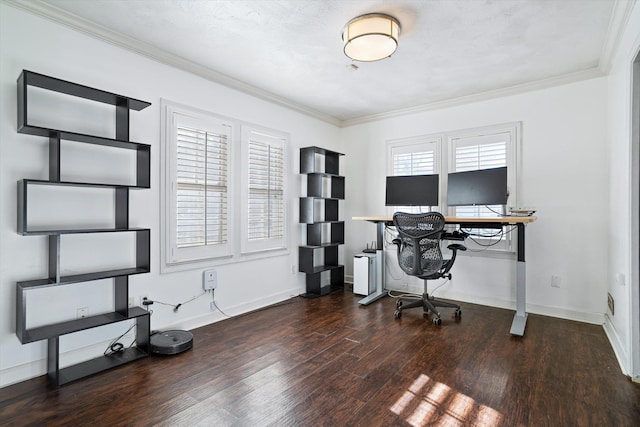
{"x": 522, "y": 211}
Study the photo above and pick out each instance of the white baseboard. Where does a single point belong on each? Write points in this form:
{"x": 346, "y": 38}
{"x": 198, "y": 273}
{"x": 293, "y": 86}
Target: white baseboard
{"x": 29, "y": 370}
{"x": 232, "y": 311}
{"x": 616, "y": 344}
{"x": 562, "y": 313}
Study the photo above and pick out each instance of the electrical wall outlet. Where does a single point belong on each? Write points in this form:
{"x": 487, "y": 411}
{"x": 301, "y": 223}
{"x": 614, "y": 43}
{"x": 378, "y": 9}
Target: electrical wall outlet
{"x": 209, "y": 280}
{"x": 611, "y": 304}
{"x": 556, "y": 281}
{"x": 82, "y": 312}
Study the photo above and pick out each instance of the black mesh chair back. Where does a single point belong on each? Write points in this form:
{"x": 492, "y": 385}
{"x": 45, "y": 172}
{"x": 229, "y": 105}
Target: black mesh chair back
{"x": 420, "y": 254}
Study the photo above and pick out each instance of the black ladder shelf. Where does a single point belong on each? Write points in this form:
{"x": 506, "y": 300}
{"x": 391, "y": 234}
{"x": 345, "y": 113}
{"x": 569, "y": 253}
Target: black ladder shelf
{"x": 122, "y": 311}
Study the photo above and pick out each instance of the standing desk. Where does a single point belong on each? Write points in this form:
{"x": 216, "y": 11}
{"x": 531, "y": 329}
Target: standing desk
{"x": 520, "y": 319}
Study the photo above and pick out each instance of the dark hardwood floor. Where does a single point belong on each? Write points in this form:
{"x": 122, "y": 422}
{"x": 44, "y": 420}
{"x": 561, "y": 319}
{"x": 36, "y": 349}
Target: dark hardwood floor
{"x": 329, "y": 361}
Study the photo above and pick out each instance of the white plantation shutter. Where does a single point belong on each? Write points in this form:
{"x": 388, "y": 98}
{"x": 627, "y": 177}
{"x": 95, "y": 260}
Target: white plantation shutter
{"x": 418, "y": 163}
{"x": 264, "y": 211}
{"x": 266, "y": 190}
{"x": 480, "y": 156}
{"x": 201, "y": 187}
{"x": 413, "y": 158}
{"x": 479, "y": 152}
{"x": 198, "y": 156}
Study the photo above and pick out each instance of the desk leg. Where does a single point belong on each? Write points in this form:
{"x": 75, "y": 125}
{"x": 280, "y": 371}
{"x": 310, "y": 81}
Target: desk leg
{"x": 520, "y": 318}
{"x": 380, "y": 270}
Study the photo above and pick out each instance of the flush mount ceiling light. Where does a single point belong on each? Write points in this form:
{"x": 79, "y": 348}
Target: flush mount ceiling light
{"x": 371, "y": 37}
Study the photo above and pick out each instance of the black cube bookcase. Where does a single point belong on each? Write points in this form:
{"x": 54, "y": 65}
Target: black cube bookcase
{"x": 319, "y": 212}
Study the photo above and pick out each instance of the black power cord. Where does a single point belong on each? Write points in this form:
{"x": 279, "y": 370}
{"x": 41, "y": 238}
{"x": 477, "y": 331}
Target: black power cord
{"x": 115, "y": 346}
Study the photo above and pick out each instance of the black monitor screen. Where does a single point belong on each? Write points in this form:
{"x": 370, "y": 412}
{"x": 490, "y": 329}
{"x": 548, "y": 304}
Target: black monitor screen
{"x": 479, "y": 187}
{"x": 412, "y": 190}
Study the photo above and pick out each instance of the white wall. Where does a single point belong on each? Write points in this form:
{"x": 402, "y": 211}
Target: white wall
{"x": 564, "y": 175}
{"x": 622, "y": 327}
{"x": 30, "y": 42}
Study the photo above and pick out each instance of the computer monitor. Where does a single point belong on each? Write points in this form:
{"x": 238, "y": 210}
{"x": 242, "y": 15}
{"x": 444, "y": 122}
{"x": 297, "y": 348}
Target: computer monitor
{"x": 412, "y": 190}
{"x": 478, "y": 187}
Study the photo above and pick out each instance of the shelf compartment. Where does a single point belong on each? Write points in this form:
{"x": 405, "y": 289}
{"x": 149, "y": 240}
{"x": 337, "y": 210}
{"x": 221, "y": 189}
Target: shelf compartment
{"x": 308, "y": 209}
{"x": 121, "y": 200}
{"x": 58, "y": 377}
{"x": 143, "y": 265}
{"x": 308, "y": 256}
{"x": 317, "y": 233}
{"x": 326, "y": 186}
{"x": 314, "y": 285}
{"x": 95, "y": 366}
{"x": 319, "y": 160}
{"x": 29, "y": 78}
{"x": 57, "y": 329}
{"x": 143, "y": 151}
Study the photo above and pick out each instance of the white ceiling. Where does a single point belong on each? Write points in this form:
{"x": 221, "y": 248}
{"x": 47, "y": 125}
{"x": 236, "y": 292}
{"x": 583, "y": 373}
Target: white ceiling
{"x": 290, "y": 51}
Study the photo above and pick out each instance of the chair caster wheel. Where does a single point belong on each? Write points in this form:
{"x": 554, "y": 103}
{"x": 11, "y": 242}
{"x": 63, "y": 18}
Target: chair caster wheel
{"x": 437, "y": 321}
{"x": 398, "y": 304}
{"x": 397, "y": 314}
{"x": 458, "y": 313}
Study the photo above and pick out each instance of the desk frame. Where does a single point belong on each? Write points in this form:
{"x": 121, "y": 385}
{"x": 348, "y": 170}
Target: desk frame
{"x": 520, "y": 319}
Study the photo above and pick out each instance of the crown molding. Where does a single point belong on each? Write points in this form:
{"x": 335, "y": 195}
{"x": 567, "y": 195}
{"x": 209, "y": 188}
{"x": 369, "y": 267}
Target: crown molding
{"x": 57, "y": 15}
{"x": 617, "y": 24}
{"x": 619, "y": 19}
{"x": 482, "y": 96}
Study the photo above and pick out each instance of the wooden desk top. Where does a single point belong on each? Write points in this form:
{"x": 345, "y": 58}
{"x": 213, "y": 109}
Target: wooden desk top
{"x": 460, "y": 220}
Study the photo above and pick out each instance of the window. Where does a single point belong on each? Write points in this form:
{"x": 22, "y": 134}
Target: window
{"x": 224, "y": 190}
{"x": 475, "y": 153}
{"x": 264, "y": 210}
{"x": 486, "y": 148}
{"x": 413, "y": 157}
{"x": 197, "y": 179}
{"x": 459, "y": 151}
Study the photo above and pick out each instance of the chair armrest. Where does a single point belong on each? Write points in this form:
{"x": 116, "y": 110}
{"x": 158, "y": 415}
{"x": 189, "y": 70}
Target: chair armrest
{"x": 457, "y": 247}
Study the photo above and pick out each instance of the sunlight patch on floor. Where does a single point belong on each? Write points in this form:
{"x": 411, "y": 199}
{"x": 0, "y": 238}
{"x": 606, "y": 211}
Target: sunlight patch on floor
{"x": 434, "y": 403}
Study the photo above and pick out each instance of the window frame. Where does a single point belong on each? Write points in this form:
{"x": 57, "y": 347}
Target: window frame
{"x": 415, "y": 145}
{"x": 173, "y": 115}
{"x": 484, "y": 136}
{"x": 236, "y": 194}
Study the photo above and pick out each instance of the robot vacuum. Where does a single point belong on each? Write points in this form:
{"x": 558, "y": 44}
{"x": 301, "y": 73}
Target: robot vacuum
{"x": 171, "y": 342}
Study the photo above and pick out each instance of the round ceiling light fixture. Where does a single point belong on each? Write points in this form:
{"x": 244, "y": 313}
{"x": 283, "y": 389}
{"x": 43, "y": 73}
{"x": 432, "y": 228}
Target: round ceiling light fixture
{"x": 371, "y": 37}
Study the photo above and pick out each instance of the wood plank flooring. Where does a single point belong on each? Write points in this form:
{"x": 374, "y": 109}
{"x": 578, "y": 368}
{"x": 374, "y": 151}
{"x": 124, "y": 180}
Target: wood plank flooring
{"x": 332, "y": 362}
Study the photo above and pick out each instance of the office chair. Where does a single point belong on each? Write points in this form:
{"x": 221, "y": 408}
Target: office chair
{"x": 419, "y": 255}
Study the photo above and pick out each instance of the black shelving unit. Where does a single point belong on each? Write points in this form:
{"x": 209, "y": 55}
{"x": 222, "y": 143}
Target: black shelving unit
{"x": 122, "y": 312}
{"x": 319, "y": 211}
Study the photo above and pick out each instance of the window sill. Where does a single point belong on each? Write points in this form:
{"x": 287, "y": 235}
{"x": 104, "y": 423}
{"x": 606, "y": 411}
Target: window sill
{"x": 226, "y": 260}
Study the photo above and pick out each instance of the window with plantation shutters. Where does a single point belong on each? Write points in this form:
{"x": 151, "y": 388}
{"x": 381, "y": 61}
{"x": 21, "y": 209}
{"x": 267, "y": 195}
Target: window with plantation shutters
{"x": 413, "y": 157}
{"x": 490, "y": 147}
{"x": 197, "y": 186}
{"x": 264, "y": 210}
{"x": 479, "y": 153}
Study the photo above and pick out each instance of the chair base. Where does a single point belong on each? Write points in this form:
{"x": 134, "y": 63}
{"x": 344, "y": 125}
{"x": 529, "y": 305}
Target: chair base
{"x": 428, "y": 304}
